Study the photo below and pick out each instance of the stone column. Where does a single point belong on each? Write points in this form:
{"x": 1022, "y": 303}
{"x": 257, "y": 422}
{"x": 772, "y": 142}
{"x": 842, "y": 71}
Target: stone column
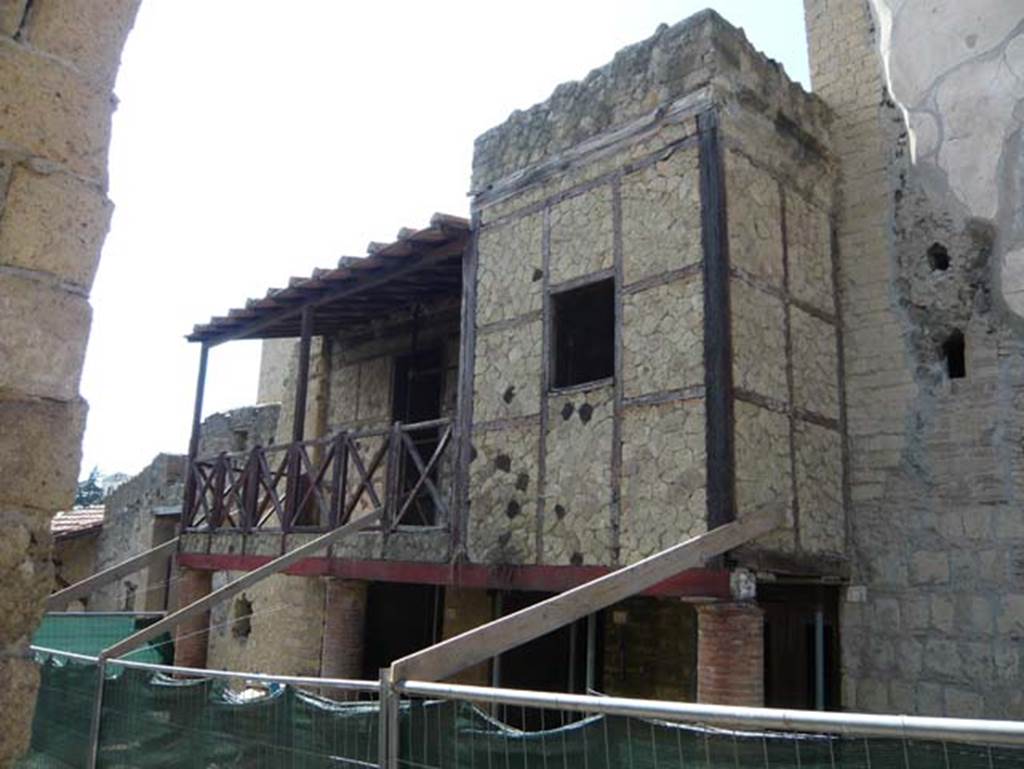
{"x": 192, "y": 636}
{"x": 465, "y": 609}
{"x": 730, "y": 654}
{"x": 344, "y": 625}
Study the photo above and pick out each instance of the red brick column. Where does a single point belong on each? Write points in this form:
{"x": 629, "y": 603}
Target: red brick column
{"x": 192, "y": 636}
{"x": 344, "y": 623}
{"x": 730, "y": 654}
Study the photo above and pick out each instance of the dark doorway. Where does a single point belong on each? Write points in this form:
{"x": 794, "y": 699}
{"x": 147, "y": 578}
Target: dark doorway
{"x": 556, "y": 662}
{"x": 416, "y": 397}
{"x": 801, "y": 623}
{"x": 400, "y": 619}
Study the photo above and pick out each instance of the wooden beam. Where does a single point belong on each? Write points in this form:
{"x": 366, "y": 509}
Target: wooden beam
{"x": 59, "y": 600}
{"x": 237, "y": 586}
{"x": 467, "y": 649}
{"x": 302, "y": 381}
{"x": 193, "y": 442}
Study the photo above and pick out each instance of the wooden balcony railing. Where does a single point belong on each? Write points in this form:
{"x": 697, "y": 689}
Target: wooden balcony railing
{"x": 318, "y": 485}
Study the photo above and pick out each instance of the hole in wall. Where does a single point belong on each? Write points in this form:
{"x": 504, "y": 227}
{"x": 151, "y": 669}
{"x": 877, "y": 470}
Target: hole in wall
{"x": 938, "y": 257}
{"x": 953, "y": 350}
{"x": 241, "y": 618}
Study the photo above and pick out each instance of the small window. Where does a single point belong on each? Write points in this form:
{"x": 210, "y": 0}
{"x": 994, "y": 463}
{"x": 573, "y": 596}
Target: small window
{"x": 953, "y": 350}
{"x": 584, "y": 334}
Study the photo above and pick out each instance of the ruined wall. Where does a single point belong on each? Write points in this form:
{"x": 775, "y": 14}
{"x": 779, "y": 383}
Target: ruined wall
{"x": 130, "y": 527}
{"x": 933, "y": 619}
{"x": 74, "y": 559}
{"x": 276, "y": 356}
{"x": 58, "y": 60}
{"x": 240, "y": 429}
{"x": 274, "y": 627}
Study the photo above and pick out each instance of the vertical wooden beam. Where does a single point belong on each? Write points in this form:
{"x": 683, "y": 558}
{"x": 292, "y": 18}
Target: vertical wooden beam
{"x": 719, "y": 426}
{"x": 464, "y": 397}
{"x": 193, "y": 443}
{"x": 302, "y": 376}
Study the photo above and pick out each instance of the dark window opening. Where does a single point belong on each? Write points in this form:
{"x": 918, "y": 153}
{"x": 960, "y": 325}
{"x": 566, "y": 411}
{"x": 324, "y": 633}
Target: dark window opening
{"x": 584, "y": 332}
{"x": 401, "y": 618}
{"x": 953, "y": 351}
{"x": 239, "y": 440}
{"x": 938, "y": 257}
{"x": 241, "y": 618}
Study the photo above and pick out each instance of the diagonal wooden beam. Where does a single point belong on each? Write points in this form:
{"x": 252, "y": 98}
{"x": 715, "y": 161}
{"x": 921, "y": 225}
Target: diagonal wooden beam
{"x": 447, "y": 658}
{"x": 59, "y": 600}
{"x": 237, "y": 586}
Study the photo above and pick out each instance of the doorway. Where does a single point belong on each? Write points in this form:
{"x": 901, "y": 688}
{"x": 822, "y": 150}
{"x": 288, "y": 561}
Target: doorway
{"x": 417, "y": 391}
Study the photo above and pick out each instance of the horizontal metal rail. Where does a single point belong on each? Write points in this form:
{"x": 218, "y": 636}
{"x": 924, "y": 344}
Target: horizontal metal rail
{"x": 350, "y": 684}
{"x": 973, "y": 730}
{"x": 138, "y": 614}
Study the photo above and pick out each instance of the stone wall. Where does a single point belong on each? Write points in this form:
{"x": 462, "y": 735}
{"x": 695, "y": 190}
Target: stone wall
{"x": 240, "y": 429}
{"x": 130, "y": 527}
{"x": 58, "y": 60}
{"x": 603, "y": 182}
{"x": 926, "y": 239}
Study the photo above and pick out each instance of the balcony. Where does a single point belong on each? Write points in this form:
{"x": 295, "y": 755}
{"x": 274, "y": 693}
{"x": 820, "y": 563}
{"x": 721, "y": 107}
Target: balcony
{"x": 405, "y": 470}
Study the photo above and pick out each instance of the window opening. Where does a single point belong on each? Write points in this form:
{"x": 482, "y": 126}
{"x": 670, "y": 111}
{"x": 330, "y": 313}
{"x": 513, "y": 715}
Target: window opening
{"x": 938, "y": 257}
{"x": 241, "y": 618}
{"x": 953, "y": 351}
{"x": 584, "y": 334}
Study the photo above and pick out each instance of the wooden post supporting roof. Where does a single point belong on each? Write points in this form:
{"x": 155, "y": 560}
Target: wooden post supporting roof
{"x": 59, "y": 600}
{"x": 237, "y": 586}
{"x": 193, "y": 442}
{"x": 447, "y": 658}
{"x": 302, "y": 376}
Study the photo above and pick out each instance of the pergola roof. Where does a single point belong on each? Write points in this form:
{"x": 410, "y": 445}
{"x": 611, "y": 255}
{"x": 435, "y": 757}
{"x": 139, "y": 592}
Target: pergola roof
{"x": 420, "y": 265}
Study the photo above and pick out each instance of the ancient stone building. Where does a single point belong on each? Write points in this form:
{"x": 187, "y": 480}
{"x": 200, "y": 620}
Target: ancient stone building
{"x": 58, "y": 59}
{"x": 633, "y": 340}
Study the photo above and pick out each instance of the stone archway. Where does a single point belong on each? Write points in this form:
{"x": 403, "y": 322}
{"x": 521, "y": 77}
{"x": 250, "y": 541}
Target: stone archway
{"x": 58, "y": 61}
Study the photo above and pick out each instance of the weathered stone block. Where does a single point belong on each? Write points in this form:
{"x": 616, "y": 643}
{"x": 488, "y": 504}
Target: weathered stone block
{"x": 87, "y": 33}
{"x": 809, "y": 248}
{"x": 507, "y": 374}
{"x": 662, "y": 338}
{"x": 661, "y": 226}
{"x": 1010, "y": 618}
{"x": 26, "y": 573}
{"x": 758, "y": 341}
{"x": 581, "y": 235}
{"x": 375, "y": 390}
{"x": 815, "y": 366}
{"x": 53, "y": 112}
{"x": 819, "y": 489}
{"x": 11, "y": 14}
{"x": 343, "y": 405}
{"x": 40, "y": 450}
{"x": 17, "y": 695}
{"x": 663, "y": 477}
{"x": 510, "y": 270}
{"x": 754, "y": 219}
{"x": 578, "y": 480}
{"x": 43, "y": 343}
{"x": 503, "y": 494}
{"x": 929, "y": 567}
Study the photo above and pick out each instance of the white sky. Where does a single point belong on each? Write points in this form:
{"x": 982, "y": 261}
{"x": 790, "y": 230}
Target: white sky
{"x": 256, "y": 140}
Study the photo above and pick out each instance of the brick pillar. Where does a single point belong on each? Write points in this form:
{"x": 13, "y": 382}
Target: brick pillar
{"x": 192, "y": 636}
{"x": 730, "y": 654}
{"x": 344, "y": 624}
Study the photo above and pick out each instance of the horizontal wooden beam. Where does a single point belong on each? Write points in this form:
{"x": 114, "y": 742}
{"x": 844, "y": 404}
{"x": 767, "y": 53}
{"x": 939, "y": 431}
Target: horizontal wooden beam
{"x": 447, "y": 658}
{"x": 234, "y": 587}
{"x": 59, "y": 600}
{"x": 692, "y": 583}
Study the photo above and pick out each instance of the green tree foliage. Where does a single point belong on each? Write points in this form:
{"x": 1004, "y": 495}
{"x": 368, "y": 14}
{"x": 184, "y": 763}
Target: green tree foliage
{"x": 89, "y": 492}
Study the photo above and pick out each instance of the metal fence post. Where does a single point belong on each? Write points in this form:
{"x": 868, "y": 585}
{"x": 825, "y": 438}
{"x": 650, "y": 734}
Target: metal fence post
{"x": 97, "y": 715}
{"x": 387, "y": 733}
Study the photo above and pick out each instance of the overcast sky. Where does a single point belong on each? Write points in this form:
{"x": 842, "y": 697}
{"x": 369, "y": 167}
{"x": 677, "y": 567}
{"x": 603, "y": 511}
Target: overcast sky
{"x": 256, "y": 140}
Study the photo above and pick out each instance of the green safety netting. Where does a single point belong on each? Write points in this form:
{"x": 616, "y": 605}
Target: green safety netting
{"x": 150, "y": 720}
{"x": 92, "y": 633}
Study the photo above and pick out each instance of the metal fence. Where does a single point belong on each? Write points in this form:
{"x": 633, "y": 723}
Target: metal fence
{"x": 152, "y": 715}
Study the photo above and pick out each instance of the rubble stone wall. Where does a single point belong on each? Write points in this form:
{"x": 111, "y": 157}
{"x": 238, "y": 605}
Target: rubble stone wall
{"x": 58, "y": 61}
{"x": 933, "y": 620}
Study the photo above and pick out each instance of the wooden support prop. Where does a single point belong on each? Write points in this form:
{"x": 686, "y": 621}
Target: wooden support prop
{"x": 59, "y": 600}
{"x": 237, "y": 586}
{"x": 447, "y": 658}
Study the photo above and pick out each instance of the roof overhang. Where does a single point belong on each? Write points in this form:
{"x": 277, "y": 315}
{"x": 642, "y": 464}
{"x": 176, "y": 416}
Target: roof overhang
{"x": 420, "y": 266}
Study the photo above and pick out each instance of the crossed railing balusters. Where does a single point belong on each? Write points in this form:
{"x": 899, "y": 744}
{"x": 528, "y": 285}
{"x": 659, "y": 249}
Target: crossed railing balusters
{"x": 325, "y": 481}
